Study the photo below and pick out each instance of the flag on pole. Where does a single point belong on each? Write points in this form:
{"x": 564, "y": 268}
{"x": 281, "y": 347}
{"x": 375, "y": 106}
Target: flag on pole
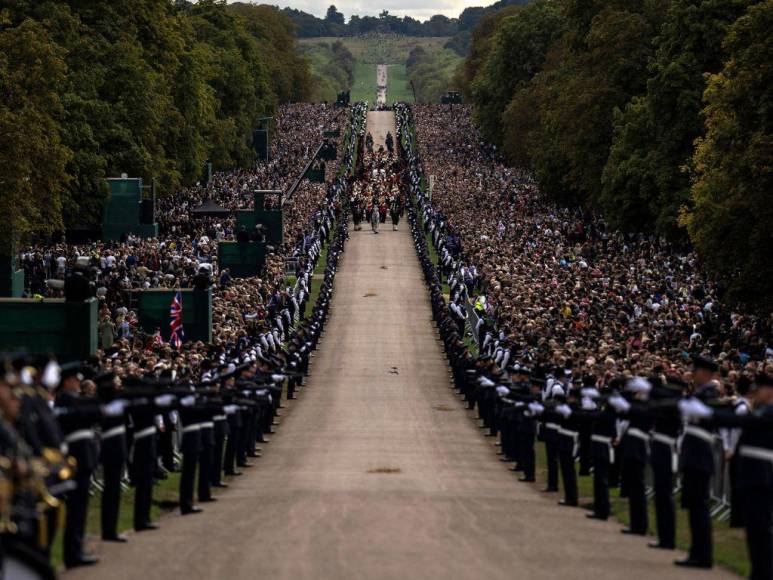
{"x": 176, "y": 335}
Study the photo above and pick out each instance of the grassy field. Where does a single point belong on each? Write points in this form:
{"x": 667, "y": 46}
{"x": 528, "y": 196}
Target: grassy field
{"x": 377, "y": 49}
{"x": 729, "y": 544}
{"x": 364, "y": 88}
{"x": 370, "y": 50}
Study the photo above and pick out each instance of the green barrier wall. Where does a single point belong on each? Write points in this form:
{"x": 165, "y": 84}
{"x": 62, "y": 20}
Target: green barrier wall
{"x": 316, "y": 175}
{"x": 11, "y": 278}
{"x": 197, "y": 313}
{"x": 122, "y": 210}
{"x": 243, "y": 259}
{"x": 271, "y": 219}
{"x": 65, "y": 329}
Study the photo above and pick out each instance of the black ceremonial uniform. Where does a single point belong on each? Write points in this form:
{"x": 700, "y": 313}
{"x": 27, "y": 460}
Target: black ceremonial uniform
{"x": 634, "y": 449}
{"x": 603, "y": 433}
{"x": 206, "y": 457}
{"x": 549, "y": 434}
{"x": 77, "y": 417}
{"x": 190, "y": 448}
{"x": 697, "y": 465}
{"x": 219, "y": 432}
{"x": 38, "y": 426}
{"x": 143, "y": 462}
{"x": 664, "y": 460}
{"x": 113, "y": 454}
{"x": 568, "y": 444}
{"x": 755, "y": 483}
{"x": 755, "y": 480}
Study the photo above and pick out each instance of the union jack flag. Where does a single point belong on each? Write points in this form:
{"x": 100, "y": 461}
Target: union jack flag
{"x": 176, "y": 335}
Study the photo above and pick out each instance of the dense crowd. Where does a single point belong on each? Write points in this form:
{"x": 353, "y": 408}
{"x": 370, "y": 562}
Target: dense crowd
{"x": 186, "y": 249}
{"x": 558, "y": 286}
{"x": 612, "y": 350}
{"x": 143, "y": 400}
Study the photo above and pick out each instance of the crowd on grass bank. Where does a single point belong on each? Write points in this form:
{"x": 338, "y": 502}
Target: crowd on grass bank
{"x": 185, "y": 253}
{"x": 613, "y": 350}
{"x": 556, "y": 284}
{"x": 145, "y": 405}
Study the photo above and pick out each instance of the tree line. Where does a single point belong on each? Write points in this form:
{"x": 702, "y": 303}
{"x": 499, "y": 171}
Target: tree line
{"x": 655, "y": 114}
{"x": 334, "y": 24}
{"x": 153, "y": 88}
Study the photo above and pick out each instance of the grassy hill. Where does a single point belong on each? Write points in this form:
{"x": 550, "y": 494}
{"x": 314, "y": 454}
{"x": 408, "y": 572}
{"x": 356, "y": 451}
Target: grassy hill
{"x": 381, "y": 48}
{"x": 364, "y": 87}
{"x": 370, "y": 50}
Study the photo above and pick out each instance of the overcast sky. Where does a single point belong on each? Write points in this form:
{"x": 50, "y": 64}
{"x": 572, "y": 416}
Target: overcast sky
{"x": 421, "y": 9}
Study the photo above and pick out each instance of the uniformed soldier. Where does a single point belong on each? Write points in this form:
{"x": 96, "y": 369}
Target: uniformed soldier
{"x": 190, "y": 447}
{"x": 567, "y": 444}
{"x": 741, "y": 406}
{"x": 697, "y": 465}
{"x": 143, "y": 451}
{"x": 38, "y": 427}
{"x": 634, "y": 448}
{"x": 527, "y": 430}
{"x": 549, "y": 432}
{"x": 77, "y": 416}
{"x": 112, "y": 454}
{"x": 755, "y": 465}
{"x": 602, "y": 418}
{"x": 666, "y": 429}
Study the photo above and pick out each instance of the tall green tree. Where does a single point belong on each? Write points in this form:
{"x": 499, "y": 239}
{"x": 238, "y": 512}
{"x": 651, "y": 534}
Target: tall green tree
{"x": 730, "y": 223}
{"x": 646, "y": 179}
{"x": 152, "y": 88}
{"x": 576, "y": 95}
{"x": 518, "y": 51}
{"x": 33, "y": 159}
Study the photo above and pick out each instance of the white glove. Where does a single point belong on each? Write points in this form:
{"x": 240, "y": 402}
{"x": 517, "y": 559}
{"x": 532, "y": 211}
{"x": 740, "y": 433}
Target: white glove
{"x": 114, "y": 408}
{"x": 278, "y": 378}
{"x": 502, "y": 391}
{"x": 230, "y": 409}
{"x": 188, "y": 401}
{"x": 619, "y": 403}
{"x": 693, "y": 409}
{"x": 588, "y": 404}
{"x": 484, "y": 382}
{"x": 164, "y": 400}
{"x": 564, "y": 410}
{"x": 536, "y": 408}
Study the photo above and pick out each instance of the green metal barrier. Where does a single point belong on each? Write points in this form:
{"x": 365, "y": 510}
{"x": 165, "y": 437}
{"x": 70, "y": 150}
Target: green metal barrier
{"x": 121, "y": 213}
{"x": 65, "y": 329}
{"x": 243, "y": 259}
{"x": 316, "y": 175}
{"x": 154, "y": 307}
{"x": 11, "y": 278}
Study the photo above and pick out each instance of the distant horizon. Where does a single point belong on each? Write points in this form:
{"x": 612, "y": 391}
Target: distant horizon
{"x": 449, "y": 8}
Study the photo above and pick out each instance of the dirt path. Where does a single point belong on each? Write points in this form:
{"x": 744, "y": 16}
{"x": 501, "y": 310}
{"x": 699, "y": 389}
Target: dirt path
{"x": 381, "y": 84}
{"x": 377, "y": 471}
{"x": 379, "y": 124}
